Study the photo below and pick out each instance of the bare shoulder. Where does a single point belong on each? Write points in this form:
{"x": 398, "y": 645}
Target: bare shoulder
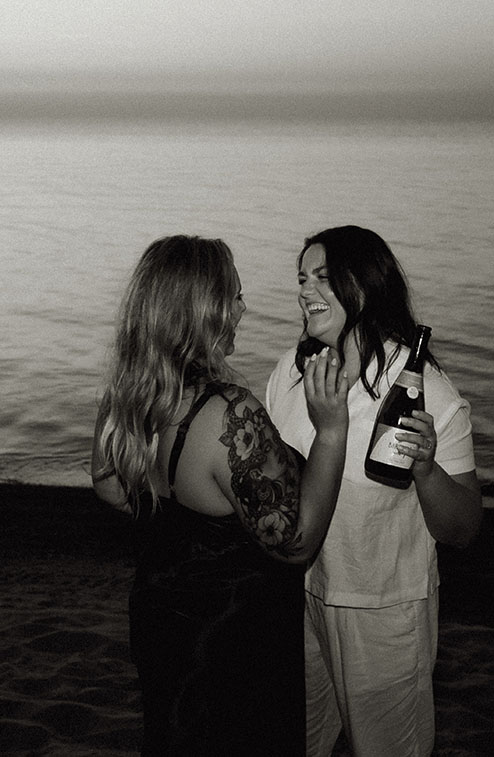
{"x": 241, "y": 401}
{"x": 234, "y": 393}
{"x": 232, "y": 406}
{"x": 232, "y": 398}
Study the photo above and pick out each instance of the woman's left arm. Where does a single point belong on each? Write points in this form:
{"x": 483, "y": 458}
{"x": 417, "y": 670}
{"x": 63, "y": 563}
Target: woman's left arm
{"x": 451, "y": 504}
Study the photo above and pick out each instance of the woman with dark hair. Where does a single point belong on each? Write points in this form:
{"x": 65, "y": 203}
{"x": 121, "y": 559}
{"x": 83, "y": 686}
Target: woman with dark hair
{"x": 371, "y": 599}
{"x": 225, "y": 520}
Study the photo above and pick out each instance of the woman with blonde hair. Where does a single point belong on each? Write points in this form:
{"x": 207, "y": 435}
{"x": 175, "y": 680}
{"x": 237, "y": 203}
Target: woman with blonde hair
{"x": 225, "y": 520}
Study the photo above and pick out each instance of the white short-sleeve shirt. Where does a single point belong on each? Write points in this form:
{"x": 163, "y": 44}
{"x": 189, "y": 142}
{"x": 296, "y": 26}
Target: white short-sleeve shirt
{"x": 378, "y": 551}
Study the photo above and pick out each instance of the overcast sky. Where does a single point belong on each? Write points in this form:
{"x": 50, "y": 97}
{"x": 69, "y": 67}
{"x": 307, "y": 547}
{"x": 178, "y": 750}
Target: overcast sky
{"x": 334, "y": 44}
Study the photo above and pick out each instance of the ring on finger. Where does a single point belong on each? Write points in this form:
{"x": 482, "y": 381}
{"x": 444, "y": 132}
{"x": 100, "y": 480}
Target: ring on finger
{"x": 428, "y": 444}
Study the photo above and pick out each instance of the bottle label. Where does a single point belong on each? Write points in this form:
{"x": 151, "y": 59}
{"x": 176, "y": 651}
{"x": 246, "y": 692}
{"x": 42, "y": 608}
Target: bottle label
{"x": 385, "y": 449}
{"x": 410, "y": 380}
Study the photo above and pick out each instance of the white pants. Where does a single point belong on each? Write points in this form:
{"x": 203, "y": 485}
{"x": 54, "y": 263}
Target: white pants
{"x": 370, "y": 671}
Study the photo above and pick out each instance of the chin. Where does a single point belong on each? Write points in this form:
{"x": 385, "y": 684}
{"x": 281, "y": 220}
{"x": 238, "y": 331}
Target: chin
{"x": 323, "y": 339}
{"x": 315, "y": 334}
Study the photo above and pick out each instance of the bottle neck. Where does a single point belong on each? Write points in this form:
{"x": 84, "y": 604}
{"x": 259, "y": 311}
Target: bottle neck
{"x": 418, "y": 351}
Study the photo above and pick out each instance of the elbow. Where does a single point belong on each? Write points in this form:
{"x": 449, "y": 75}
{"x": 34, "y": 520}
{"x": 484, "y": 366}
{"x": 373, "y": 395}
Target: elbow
{"x": 292, "y": 557}
{"x": 467, "y": 538}
{"x": 307, "y": 551}
{"x": 115, "y": 498}
{"x": 300, "y": 559}
{"x": 463, "y": 537}
{"x": 462, "y": 542}
{"x": 476, "y": 521}
{"x": 305, "y": 554}
{"x": 102, "y": 492}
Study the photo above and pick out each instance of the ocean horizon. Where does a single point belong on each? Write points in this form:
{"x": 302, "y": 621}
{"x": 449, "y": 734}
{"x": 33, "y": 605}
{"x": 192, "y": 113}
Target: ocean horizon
{"x": 111, "y": 100}
{"x": 83, "y": 195}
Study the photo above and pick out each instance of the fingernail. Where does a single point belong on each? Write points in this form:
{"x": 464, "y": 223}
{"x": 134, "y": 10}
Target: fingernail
{"x": 334, "y": 361}
{"x": 345, "y": 374}
{"x": 324, "y": 351}
{"x": 313, "y": 357}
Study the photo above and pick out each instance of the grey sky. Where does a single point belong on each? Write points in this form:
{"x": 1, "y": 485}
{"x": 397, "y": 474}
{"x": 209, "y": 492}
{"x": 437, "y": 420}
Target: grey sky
{"x": 334, "y": 44}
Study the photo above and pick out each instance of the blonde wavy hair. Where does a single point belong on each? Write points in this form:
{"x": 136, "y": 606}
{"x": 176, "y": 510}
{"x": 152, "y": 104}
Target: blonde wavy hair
{"x": 174, "y": 326}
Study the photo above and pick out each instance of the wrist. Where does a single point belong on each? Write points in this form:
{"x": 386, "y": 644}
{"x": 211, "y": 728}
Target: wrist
{"x": 422, "y": 473}
{"x": 331, "y": 436}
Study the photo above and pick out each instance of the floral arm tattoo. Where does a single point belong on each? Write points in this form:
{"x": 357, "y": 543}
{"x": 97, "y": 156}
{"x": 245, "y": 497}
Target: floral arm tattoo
{"x": 269, "y": 505}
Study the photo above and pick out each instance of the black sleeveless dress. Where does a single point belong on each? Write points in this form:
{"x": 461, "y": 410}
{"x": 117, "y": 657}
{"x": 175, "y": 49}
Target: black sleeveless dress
{"x": 216, "y": 632}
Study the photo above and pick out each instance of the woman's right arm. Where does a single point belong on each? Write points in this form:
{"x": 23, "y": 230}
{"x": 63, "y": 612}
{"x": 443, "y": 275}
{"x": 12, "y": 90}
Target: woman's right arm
{"x": 288, "y": 514}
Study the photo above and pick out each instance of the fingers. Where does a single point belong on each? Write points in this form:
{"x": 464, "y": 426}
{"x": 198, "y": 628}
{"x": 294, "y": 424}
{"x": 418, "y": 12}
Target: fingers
{"x": 321, "y": 376}
{"x": 343, "y": 385}
{"x": 419, "y": 421}
{"x": 421, "y": 415}
{"x": 412, "y": 440}
{"x": 315, "y": 372}
{"x": 326, "y": 392}
{"x": 322, "y": 369}
{"x": 422, "y": 451}
{"x": 419, "y": 444}
{"x": 310, "y": 367}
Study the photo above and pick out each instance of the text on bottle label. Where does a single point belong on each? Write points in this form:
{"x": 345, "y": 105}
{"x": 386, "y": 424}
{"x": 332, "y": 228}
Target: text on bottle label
{"x": 385, "y": 449}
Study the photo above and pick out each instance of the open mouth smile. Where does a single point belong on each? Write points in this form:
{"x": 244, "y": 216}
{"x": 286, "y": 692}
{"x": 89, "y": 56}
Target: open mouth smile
{"x": 317, "y": 307}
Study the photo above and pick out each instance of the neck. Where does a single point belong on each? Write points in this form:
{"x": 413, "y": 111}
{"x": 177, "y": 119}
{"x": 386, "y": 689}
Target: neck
{"x": 352, "y": 360}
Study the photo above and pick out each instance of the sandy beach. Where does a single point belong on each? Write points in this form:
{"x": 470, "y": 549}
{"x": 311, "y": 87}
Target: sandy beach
{"x": 67, "y": 684}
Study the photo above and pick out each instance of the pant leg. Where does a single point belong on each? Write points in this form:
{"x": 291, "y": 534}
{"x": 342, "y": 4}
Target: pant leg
{"x": 323, "y": 719}
{"x": 381, "y": 663}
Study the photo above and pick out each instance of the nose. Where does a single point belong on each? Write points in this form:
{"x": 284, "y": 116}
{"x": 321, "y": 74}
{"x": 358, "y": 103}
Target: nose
{"x": 306, "y": 287}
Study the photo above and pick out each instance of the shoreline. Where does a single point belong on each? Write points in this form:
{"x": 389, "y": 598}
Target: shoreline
{"x": 68, "y": 684}
{"x": 40, "y": 520}
{"x": 82, "y": 482}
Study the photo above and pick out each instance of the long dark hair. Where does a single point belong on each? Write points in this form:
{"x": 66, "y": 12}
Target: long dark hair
{"x": 373, "y": 290}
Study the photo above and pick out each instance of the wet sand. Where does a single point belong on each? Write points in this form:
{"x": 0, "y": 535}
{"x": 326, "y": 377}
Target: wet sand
{"x": 67, "y": 684}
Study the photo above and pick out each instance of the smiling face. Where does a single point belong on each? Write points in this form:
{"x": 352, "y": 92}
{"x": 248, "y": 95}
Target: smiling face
{"x": 323, "y": 311}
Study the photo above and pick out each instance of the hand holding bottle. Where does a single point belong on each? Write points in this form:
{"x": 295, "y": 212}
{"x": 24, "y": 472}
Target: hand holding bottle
{"x": 422, "y": 448}
{"x": 384, "y": 461}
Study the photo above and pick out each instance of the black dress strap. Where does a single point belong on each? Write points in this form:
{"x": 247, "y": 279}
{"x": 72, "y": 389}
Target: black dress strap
{"x": 183, "y": 428}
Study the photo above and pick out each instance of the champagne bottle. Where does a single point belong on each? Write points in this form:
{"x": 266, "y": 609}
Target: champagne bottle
{"x": 383, "y": 462}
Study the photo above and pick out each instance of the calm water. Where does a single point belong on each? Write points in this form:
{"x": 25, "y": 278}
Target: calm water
{"x": 80, "y": 203}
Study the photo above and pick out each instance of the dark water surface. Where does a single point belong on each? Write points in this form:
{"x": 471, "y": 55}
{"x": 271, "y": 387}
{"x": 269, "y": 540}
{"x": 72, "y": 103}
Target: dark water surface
{"x": 80, "y": 203}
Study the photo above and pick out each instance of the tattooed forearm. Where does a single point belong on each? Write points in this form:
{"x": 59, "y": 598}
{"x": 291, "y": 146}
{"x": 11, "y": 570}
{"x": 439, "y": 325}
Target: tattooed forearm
{"x": 269, "y": 503}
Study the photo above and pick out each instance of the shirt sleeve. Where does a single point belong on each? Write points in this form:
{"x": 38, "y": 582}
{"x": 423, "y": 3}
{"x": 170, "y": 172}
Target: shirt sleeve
{"x": 270, "y": 391}
{"x": 455, "y": 445}
{"x": 453, "y": 428}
